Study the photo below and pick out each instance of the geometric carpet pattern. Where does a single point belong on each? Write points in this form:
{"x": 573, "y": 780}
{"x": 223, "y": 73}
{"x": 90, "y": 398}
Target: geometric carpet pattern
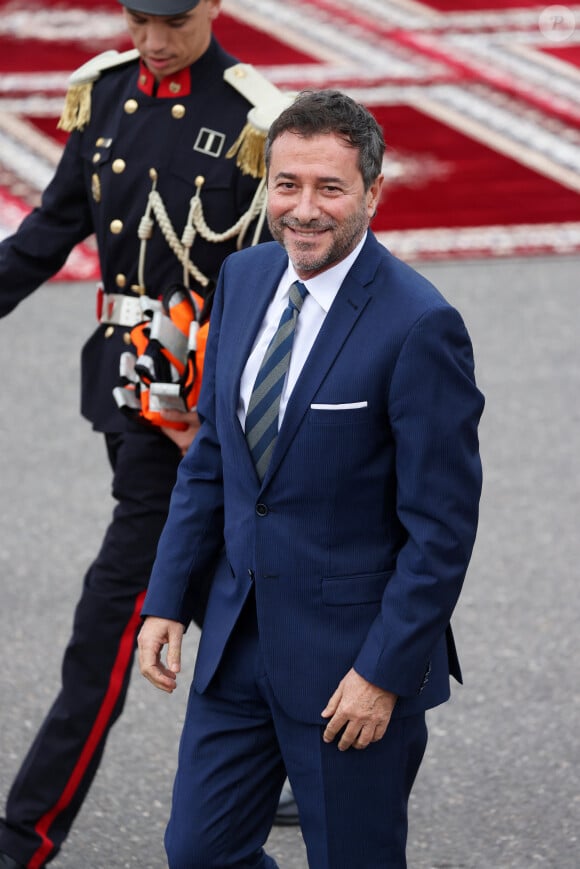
{"x": 478, "y": 100}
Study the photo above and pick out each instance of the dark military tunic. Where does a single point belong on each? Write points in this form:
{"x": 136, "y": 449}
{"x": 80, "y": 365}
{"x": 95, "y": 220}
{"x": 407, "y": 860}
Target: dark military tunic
{"x": 101, "y": 186}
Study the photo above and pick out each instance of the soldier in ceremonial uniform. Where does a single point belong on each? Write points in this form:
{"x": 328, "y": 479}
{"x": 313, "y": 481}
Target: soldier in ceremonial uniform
{"x": 146, "y": 169}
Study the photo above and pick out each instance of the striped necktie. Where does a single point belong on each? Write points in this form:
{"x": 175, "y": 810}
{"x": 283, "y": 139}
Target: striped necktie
{"x": 264, "y": 405}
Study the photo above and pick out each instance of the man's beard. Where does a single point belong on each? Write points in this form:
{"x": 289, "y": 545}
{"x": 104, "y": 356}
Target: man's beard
{"x": 345, "y": 237}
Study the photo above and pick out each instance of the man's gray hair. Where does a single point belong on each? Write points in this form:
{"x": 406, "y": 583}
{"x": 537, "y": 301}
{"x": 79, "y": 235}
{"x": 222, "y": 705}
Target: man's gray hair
{"x": 329, "y": 111}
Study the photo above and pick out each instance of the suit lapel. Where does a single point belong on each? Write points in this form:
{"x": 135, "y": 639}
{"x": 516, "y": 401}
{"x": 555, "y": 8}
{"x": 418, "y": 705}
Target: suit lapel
{"x": 250, "y": 311}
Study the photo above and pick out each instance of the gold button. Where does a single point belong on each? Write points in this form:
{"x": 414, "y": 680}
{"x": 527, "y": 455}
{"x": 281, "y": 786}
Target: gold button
{"x": 143, "y": 79}
{"x": 199, "y": 181}
{"x": 109, "y": 331}
{"x": 119, "y": 166}
{"x": 178, "y": 111}
{"x": 127, "y": 338}
{"x": 116, "y": 226}
{"x": 121, "y": 280}
{"x": 100, "y": 142}
{"x": 174, "y": 87}
{"x": 96, "y": 158}
{"x": 131, "y": 107}
{"x": 96, "y": 187}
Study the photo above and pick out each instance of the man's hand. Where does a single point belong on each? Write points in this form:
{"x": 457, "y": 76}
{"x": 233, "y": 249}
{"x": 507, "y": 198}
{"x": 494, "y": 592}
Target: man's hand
{"x": 361, "y": 708}
{"x": 183, "y": 439}
{"x": 153, "y": 636}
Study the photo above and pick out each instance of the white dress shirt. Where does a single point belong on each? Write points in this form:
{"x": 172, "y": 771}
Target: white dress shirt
{"x": 322, "y": 291}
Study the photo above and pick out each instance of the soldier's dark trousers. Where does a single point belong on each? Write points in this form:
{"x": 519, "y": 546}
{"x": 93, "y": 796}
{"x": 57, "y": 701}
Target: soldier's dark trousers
{"x": 61, "y": 763}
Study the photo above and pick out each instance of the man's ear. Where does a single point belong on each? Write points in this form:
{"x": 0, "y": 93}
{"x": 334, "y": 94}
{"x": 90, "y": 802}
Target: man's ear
{"x": 214, "y": 9}
{"x": 374, "y": 195}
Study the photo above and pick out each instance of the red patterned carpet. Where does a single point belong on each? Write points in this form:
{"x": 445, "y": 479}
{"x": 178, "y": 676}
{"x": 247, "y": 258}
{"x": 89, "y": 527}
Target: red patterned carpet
{"x": 479, "y": 101}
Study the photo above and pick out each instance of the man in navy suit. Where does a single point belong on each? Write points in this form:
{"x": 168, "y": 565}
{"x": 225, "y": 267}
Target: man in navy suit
{"x": 339, "y": 557}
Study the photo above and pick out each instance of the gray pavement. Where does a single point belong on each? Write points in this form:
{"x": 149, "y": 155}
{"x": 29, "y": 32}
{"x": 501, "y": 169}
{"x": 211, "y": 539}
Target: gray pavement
{"x": 500, "y": 785}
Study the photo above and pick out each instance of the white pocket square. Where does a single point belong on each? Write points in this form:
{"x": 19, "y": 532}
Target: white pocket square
{"x": 352, "y": 405}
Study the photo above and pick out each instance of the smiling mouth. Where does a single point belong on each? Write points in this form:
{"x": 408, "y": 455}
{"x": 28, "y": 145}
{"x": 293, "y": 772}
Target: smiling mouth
{"x": 308, "y": 231}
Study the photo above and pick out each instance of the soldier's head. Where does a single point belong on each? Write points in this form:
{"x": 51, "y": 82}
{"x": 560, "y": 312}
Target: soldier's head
{"x": 170, "y": 34}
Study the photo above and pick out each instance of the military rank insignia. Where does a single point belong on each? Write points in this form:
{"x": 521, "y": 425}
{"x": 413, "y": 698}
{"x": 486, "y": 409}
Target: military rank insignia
{"x": 209, "y": 142}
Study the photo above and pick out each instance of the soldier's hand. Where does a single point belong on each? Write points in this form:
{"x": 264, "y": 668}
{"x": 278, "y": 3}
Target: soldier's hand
{"x": 360, "y": 710}
{"x": 153, "y": 637}
{"x": 183, "y": 439}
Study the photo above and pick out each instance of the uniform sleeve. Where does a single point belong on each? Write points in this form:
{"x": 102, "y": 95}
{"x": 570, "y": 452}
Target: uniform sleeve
{"x": 42, "y": 243}
{"x": 434, "y": 409}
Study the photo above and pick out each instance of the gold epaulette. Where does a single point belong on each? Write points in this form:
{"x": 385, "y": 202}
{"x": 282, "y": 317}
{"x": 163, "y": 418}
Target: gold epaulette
{"x": 77, "y": 105}
{"x": 267, "y": 103}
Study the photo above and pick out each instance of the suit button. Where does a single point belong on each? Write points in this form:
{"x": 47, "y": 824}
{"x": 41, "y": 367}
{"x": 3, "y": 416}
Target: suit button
{"x": 261, "y": 510}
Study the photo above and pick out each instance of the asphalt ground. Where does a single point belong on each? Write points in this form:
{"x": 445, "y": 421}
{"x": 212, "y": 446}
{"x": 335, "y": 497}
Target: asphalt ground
{"x": 500, "y": 784}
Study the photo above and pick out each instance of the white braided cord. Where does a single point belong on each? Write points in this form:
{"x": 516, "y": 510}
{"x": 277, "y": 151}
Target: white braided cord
{"x": 197, "y": 224}
{"x": 171, "y": 238}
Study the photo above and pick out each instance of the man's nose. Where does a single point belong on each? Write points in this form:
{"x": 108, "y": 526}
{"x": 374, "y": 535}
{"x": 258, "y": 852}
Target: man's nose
{"x": 306, "y": 207}
{"x": 155, "y": 40}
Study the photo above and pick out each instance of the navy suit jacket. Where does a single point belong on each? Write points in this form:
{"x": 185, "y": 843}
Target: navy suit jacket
{"x": 358, "y": 539}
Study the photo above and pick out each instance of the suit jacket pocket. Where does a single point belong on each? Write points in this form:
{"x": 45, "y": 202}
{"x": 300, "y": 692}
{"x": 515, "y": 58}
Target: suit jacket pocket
{"x": 339, "y": 414}
{"x": 358, "y": 589}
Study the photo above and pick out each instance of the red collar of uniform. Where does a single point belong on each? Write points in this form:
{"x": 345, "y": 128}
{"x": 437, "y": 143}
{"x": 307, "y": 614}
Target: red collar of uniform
{"x": 172, "y": 86}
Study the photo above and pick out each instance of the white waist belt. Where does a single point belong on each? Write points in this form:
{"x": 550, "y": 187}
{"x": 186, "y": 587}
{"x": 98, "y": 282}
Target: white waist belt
{"x": 121, "y": 310}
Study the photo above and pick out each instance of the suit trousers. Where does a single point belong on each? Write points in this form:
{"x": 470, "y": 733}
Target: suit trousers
{"x": 57, "y": 772}
{"x": 237, "y": 743}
